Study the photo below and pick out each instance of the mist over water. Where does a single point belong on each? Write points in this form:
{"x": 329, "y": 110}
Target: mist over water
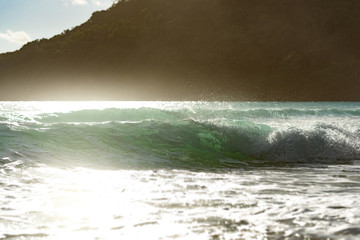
{"x": 179, "y": 170}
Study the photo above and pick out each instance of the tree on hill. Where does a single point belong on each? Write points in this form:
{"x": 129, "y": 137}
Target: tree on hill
{"x": 197, "y": 49}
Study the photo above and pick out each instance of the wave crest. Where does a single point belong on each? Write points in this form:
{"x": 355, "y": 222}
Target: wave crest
{"x": 178, "y": 143}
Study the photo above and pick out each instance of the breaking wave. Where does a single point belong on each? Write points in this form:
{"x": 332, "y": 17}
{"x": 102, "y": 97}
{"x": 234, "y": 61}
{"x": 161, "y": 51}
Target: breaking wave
{"x": 180, "y": 138}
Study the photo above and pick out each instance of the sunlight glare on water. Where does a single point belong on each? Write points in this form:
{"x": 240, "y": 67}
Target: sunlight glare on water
{"x": 179, "y": 170}
{"x": 68, "y": 106}
{"x": 252, "y": 204}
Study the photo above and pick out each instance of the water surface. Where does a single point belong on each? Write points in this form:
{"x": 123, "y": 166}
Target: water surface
{"x": 179, "y": 170}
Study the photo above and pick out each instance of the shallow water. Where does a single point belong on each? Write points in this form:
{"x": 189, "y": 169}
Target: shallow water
{"x": 179, "y": 170}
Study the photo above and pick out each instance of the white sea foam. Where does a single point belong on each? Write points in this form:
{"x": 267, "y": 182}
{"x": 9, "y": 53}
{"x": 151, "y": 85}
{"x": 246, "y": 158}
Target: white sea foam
{"x": 179, "y": 170}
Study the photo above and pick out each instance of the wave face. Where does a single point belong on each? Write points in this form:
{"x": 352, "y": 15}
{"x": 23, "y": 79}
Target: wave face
{"x": 179, "y": 134}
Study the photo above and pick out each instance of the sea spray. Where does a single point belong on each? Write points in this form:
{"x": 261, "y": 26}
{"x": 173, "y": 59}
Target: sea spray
{"x": 183, "y": 137}
{"x": 179, "y": 170}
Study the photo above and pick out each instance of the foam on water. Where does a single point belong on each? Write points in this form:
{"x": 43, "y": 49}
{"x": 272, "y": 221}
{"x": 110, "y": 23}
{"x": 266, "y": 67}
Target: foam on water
{"x": 189, "y": 135}
{"x": 186, "y": 170}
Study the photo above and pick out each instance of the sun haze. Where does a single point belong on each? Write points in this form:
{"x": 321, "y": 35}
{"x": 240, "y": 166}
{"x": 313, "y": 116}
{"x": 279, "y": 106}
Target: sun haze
{"x": 181, "y": 50}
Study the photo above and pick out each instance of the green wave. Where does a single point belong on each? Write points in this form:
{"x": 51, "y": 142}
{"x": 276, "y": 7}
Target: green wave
{"x": 114, "y": 114}
{"x": 173, "y": 142}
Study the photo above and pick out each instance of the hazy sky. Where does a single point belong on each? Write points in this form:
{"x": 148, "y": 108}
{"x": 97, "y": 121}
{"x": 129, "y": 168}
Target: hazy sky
{"x": 25, "y": 20}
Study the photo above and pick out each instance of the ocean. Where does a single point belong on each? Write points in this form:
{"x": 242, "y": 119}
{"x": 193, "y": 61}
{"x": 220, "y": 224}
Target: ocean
{"x": 179, "y": 170}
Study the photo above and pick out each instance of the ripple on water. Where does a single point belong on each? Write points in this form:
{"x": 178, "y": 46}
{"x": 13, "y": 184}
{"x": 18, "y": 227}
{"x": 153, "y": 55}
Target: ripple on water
{"x": 166, "y": 204}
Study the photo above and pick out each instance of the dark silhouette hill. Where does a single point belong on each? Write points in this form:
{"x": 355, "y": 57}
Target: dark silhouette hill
{"x": 285, "y": 50}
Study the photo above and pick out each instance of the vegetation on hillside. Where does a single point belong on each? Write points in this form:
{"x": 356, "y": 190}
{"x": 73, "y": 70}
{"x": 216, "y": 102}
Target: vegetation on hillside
{"x": 201, "y": 49}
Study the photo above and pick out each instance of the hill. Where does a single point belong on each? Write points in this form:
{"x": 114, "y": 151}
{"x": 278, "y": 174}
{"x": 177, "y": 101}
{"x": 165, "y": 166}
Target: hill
{"x": 236, "y": 50}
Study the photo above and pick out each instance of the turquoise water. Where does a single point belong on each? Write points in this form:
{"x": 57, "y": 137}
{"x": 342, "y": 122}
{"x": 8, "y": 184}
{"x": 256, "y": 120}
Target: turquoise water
{"x": 179, "y": 170}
